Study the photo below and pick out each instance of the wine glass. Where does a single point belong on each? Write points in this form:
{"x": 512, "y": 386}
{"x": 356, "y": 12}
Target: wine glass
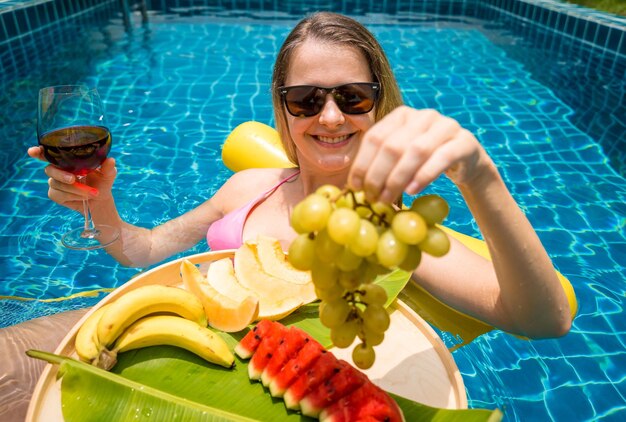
{"x": 72, "y": 131}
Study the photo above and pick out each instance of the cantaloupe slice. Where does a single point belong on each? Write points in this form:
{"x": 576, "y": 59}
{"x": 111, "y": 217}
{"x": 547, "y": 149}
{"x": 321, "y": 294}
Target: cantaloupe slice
{"x": 221, "y": 276}
{"x": 223, "y": 312}
{"x": 277, "y": 297}
{"x": 274, "y": 261}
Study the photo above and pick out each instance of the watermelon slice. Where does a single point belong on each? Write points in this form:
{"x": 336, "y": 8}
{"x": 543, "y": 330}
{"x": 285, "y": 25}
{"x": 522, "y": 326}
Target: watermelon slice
{"x": 295, "y": 366}
{"x": 306, "y": 357}
{"x": 366, "y": 403}
{"x": 339, "y": 385}
{"x": 325, "y": 367}
{"x": 265, "y": 351}
{"x": 250, "y": 342}
{"x": 292, "y": 342}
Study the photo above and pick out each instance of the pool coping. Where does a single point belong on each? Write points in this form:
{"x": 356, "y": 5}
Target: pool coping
{"x": 595, "y": 28}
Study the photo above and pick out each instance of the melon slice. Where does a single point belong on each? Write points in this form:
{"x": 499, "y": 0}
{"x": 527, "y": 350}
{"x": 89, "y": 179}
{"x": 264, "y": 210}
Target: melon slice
{"x": 275, "y": 263}
{"x": 324, "y": 368}
{"x": 277, "y": 298}
{"x": 291, "y": 343}
{"x": 221, "y": 276}
{"x": 366, "y": 403}
{"x": 265, "y": 351}
{"x": 250, "y": 342}
{"x": 222, "y": 312}
{"x": 305, "y": 358}
{"x": 342, "y": 383}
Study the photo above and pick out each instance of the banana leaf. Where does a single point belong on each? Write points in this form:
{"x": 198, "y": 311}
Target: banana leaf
{"x": 168, "y": 383}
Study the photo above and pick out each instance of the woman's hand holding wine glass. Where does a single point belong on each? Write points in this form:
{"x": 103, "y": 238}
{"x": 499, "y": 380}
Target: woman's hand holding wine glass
{"x": 74, "y": 138}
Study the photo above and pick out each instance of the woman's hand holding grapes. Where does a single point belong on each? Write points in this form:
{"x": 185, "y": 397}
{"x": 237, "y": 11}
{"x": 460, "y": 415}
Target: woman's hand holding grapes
{"x": 408, "y": 149}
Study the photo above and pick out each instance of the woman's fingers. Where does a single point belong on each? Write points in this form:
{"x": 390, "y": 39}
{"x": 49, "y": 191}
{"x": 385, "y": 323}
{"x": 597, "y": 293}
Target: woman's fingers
{"x": 370, "y": 145}
{"x": 107, "y": 170}
{"x": 70, "y": 192}
{"x": 36, "y": 152}
{"x": 383, "y": 145}
{"x": 69, "y": 196}
{"x": 384, "y": 179}
{"x": 409, "y": 149}
{"x": 417, "y": 153}
{"x": 451, "y": 157}
{"x": 59, "y": 175}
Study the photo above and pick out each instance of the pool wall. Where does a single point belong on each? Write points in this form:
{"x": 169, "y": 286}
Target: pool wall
{"x": 594, "y": 41}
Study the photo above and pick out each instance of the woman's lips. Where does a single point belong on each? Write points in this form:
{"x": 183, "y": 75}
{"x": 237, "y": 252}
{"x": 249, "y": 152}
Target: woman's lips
{"x": 333, "y": 141}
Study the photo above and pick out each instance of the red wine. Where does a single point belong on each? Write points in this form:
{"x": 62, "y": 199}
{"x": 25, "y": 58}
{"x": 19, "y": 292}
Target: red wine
{"x": 77, "y": 149}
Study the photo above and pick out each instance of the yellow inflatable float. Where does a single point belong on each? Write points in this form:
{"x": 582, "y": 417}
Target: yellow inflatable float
{"x": 254, "y": 145}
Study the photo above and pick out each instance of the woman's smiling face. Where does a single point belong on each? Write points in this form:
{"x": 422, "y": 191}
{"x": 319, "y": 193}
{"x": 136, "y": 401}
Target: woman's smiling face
{"x": 329, "y": 140}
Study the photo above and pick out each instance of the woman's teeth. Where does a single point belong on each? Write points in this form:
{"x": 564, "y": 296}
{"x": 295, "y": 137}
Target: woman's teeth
{"x": 334, "y": 140}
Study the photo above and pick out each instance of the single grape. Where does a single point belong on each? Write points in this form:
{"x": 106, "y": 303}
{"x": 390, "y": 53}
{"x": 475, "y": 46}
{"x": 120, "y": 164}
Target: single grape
{"x": 329, "y": 294}
{"x": 364, "y": 211}
{"x": 314, "y": 213}
{"x": 366, "y": 239}
{"x": 345, "y": 201}
{"x": 326, "y": 248}
{"x": 390, "y": 251}
{"x": 343, "y": 225}
{"x": 324, "y": 276}
{"x": 331, "y": 192}
{"x": 376, "y": 318}
{"x": 335, "y": 313}
{"x": 363, "y": 356}
{"x": 350, "y": 280}
{"x": 370, "y": 337}
{"x": 385, "y": 211}
{"x": 412, "y": 260}
{"x": 433, "y": 208}
{"x": 302, "y": 252}
{"x": 344, "y": 334}
{"x": 436, "y": 242}
{"x": 350, "y": 199}
{"x": 409, "y": 227}
{"x": 295, "y": 219}
{"x": 373, "y": 294}
{"x": 347, "y": 261}
{"x": 373, "y": 269}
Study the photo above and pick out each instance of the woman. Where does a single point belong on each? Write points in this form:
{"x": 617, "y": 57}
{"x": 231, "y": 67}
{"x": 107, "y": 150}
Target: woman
{"x": 338, "y": 110}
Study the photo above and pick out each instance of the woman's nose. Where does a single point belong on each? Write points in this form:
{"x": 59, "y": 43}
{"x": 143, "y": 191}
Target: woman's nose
{"x": 331, "y": 115}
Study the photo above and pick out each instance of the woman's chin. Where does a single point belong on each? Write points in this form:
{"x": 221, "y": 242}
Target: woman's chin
{"x": 334, "y": 163}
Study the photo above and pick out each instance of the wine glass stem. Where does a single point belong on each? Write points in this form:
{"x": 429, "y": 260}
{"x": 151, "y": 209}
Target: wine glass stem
{"x": 89, "y": 231}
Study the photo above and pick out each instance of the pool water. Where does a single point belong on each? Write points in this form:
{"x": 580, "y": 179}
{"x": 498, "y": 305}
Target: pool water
{"x": 175, "y": 88}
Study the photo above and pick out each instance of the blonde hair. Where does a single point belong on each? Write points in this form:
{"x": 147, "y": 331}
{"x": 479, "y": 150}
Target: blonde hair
{"x": 336, "y": 29}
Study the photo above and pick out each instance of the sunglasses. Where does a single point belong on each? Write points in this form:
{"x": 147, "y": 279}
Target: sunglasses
{"x": 308, "y": 100}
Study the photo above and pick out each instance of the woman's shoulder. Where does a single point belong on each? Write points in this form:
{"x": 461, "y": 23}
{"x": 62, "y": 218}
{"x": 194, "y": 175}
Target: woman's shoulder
{"x": 257, "y": 179}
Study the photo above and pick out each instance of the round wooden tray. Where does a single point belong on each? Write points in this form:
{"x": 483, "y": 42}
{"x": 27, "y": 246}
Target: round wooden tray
{"x": 412, "y": 361}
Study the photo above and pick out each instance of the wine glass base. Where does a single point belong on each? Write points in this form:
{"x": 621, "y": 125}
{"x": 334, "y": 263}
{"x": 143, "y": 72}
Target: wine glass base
{"x": 99, "y": 237}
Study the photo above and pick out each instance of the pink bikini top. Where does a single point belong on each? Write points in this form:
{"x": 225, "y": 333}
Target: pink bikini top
{"x": 227, "y": 232}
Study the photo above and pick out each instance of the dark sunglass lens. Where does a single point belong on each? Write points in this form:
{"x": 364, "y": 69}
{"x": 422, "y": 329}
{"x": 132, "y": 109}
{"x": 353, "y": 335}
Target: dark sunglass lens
{"x": 304, "y": 101}
{"x": 355, "y": 98}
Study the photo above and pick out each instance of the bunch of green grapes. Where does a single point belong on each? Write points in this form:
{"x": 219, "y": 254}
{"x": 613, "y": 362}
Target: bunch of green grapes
{"x": 346, "y": 242}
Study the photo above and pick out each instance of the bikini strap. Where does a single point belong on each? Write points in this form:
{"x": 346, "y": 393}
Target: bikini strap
{"x": 279, "y": 184}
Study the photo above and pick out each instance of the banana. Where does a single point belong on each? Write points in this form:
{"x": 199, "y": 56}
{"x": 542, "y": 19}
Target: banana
{"x": 143, "y": 301}
{"x": 86, "y": 348}
{"x": 158, "y": 330}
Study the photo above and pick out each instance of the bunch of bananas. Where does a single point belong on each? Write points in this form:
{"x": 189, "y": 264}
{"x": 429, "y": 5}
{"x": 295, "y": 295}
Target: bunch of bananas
{"x": 150, "y": 316}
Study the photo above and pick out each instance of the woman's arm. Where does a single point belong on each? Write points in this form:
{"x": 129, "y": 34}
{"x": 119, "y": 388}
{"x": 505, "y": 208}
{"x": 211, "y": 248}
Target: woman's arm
{"x": 141, "y": 247}
{"x": 518, "y": 291}
{"x": 136, "y": 246}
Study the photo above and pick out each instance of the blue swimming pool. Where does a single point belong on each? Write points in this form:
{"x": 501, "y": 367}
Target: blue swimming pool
{"x": 174, "y": 89}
